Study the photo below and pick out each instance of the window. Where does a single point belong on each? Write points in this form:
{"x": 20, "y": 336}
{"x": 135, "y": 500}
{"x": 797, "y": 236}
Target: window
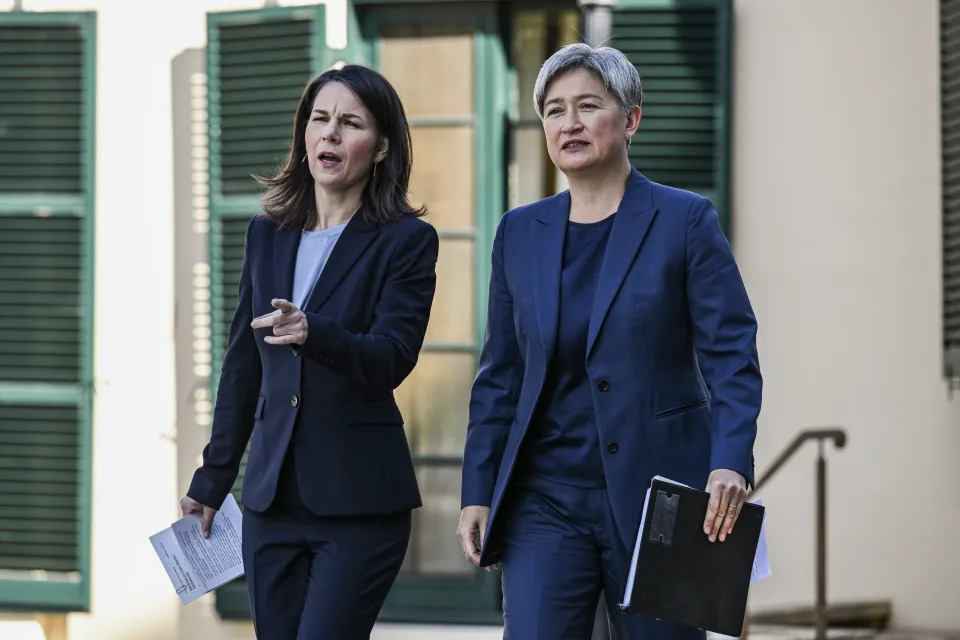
{"x": 950, "y": 136}
{"x": 257, "y": 65}
{"x": 457, "y": 127}
{"x": 682, "y": 51}
{"x": 46, "y": 269}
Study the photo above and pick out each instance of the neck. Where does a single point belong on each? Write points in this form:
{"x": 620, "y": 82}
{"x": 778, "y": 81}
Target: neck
{"x": 336, "y": 207}
{"x": 596, "y": 195}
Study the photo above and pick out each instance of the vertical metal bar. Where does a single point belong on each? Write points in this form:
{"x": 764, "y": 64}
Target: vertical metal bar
{"x": 821, "y": 595}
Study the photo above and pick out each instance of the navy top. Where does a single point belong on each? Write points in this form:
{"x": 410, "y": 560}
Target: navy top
{"x": 563, "y": 444}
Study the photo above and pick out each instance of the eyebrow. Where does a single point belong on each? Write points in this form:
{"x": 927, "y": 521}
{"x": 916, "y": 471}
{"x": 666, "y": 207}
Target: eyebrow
{"x": 344, "y": 115}
{"x": 578, "y": 97}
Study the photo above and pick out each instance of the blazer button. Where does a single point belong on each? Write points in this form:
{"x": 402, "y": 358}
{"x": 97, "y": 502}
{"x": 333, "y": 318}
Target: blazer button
{"x": 294, "y": 401}
{"x": 613, "y": 447}
{"x": 604, "y": 385}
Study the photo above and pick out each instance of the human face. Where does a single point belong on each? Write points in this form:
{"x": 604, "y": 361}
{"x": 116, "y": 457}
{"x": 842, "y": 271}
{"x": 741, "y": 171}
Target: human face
{"x": 584, "y": 128}
{"x": 341, "y": 139}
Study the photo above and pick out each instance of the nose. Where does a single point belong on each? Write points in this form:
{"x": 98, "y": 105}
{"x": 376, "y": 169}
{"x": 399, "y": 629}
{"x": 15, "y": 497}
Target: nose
{"x": 330, "y": 132}
{"x": 571, "y": 122}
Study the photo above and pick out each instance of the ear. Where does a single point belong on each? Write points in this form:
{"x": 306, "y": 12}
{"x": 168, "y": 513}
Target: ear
{"x": 633, "y": 120}
{"x": 381, "y": 150}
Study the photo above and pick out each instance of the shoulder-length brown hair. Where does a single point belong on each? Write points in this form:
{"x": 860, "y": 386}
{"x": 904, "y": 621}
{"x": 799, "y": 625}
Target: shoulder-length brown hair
{"x": 289, "y": 198}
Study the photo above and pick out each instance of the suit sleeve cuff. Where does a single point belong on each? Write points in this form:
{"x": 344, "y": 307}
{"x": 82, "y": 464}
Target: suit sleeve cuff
{"x": 476, "y": 492}
{"x": 206, "y": 492}
{"x": 324, "y": 339}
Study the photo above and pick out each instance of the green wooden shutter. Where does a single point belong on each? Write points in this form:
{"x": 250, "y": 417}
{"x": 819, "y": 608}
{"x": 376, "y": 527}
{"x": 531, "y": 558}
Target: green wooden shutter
{"x": 950, "y": 136}
{"x": 258, "y": 63}
{"x": 46, "y": 307}
{"x": 682, "y": 52}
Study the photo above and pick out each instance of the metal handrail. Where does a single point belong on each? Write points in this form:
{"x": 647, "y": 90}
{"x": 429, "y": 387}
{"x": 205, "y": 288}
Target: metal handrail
{"x": 839, "y": 438}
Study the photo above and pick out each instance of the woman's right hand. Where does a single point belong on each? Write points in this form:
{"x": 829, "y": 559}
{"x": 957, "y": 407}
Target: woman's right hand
{"x": 188, "y": 505}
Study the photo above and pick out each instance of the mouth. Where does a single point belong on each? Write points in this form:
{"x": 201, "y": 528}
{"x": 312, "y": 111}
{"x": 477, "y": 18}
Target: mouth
{"x": 573, "y": 145}
{"x": 329, "y": 159}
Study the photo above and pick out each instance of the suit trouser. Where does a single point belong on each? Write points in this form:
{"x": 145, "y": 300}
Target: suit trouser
{"x": 561, "y": 548}
{"x": 320, "y": 578}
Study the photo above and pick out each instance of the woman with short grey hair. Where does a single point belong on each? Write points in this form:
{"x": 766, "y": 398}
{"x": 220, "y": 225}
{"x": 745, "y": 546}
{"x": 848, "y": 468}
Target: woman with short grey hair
{"x": 614, "y": 307}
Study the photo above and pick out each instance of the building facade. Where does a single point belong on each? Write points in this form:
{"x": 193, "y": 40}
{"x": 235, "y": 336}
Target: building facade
{"x": 821, "y": 129}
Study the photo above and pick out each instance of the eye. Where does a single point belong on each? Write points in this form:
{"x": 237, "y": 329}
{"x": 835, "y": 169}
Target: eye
{"x": 351, "y": 123}
{"x": 318, "y": 119}
{"x": 553, "y": 111}
{"x": 588, "y": 105}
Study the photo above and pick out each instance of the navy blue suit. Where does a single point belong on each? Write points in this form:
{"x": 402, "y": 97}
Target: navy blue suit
{"x": 332, "y": 399}
{"x": 670, "y": 357}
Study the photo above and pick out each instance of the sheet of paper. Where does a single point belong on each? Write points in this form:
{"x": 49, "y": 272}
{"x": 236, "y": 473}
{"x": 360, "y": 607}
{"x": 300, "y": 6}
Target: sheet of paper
{"x": 761, "y": 561}
{"x": 197, "y": 565}
{"x": 628, "y": 592}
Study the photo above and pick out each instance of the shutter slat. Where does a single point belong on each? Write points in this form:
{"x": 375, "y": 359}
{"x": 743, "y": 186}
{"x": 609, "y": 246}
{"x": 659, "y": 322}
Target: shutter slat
{"x": 41, "y": 270}
{"x": 39, "y": 459}
{"x": 262, "y": 68}
{"x": 48, "y": 60}
{"x": 675, "y": 51}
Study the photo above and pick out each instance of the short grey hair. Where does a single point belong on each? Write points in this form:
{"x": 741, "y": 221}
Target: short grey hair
{"x": 618, "y": 75}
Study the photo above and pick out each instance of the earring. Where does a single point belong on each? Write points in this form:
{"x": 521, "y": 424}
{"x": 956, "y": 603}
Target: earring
{"x": 304, "y": 159}
{"x": 375, "y": 169}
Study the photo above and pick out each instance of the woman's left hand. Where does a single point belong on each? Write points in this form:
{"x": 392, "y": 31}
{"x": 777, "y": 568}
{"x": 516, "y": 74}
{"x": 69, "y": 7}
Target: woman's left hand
{"x": 288, "y": 322}
{"x": 728, "y": 490}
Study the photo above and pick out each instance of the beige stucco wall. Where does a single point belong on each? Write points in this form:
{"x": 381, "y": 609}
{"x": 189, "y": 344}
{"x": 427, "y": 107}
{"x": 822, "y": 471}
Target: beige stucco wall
{"x": 837, "y": 230}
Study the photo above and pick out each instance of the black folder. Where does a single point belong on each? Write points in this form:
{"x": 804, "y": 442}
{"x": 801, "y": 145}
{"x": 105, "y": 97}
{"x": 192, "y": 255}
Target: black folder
{"x": 678, "y": 575}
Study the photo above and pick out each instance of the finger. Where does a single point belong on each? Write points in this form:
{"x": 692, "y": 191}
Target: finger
{"x": 725, "y": 499}
{"x": 266, "y": 320}
{"x": 290, "y": 339}
{"x": 285, "y": 329}
{"x": 482, "y": 531}
{"x": 733, "y": 512}
{"x": 284, "y": 306}
{"x": 713, "y": 506}
{"x": 469, "y": 545}
{"x": 206, "y": 522}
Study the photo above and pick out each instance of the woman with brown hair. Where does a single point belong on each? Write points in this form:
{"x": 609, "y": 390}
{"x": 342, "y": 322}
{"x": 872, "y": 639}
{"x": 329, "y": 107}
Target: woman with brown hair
{"x": 335, "y": 293}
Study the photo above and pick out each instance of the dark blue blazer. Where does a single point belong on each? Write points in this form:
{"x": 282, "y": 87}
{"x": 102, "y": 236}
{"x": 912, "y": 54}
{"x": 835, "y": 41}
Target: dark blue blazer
{"x": 671, "y": 350}
{"x": 367, "y": 318}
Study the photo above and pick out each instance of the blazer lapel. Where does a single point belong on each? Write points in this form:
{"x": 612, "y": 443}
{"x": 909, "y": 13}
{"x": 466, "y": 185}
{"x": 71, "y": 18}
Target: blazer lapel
{"x": 547, "y": 254}
{"x": 630, "y": 227}
{"x": 285, "y": 245}
{"x": 354, "y": 240}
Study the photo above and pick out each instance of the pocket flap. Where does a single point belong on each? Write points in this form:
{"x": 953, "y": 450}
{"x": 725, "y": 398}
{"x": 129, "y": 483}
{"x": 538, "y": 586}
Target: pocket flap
{"x": 683, "y": 408}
